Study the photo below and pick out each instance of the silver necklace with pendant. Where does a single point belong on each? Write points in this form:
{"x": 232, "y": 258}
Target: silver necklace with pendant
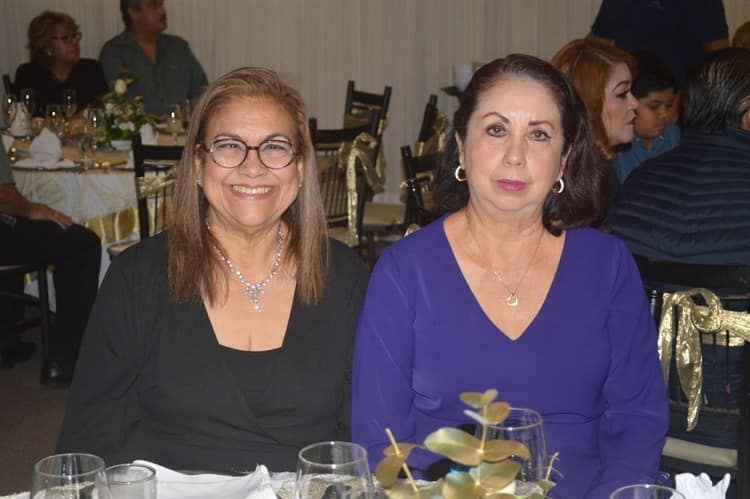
{"x": 255, "y": 290}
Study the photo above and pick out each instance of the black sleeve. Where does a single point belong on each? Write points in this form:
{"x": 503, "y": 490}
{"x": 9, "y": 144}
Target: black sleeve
{"x": 605, "y": 24}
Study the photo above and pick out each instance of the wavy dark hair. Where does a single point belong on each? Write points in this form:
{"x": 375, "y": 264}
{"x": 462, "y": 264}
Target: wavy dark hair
{"x": 716, "y": 94}
{"x": 584, "y": 199}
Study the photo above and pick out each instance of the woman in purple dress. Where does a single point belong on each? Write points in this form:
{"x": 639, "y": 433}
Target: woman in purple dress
{"x": 512, "y": 290}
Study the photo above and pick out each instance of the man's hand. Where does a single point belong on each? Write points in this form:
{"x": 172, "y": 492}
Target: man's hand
{"x": 39, "y": 211}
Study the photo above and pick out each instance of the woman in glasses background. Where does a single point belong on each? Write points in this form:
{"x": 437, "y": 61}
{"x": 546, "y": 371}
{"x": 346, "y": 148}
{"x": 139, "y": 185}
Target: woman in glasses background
{"x": 226, "y": 341}
{"x": 56, "y": 64}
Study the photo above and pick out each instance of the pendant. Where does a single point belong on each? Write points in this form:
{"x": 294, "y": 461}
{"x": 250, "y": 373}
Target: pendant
{"x": 512, "y": 300}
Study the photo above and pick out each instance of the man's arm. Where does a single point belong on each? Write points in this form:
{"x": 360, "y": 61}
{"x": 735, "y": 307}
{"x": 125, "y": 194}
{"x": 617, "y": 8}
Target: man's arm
{"x": 13, "y": 203}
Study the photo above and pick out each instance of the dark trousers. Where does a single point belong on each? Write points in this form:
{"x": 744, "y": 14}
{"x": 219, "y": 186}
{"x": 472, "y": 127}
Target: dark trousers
{"x": 75, "y": 257}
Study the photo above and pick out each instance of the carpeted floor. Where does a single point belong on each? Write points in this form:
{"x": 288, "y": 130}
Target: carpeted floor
{"x": 30, "y": 420}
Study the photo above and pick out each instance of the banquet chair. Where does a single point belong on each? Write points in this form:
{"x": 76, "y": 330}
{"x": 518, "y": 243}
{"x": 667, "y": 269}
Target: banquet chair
{"x": 41, "y": 302}
{"x": 365, "y": 107}
{"x": 419, "y": 173}
{"x": 155, "y": 173}
{"x": 343, "y": 156}
{"x": 433, "y": 133}
{"x": 711, "y": 446}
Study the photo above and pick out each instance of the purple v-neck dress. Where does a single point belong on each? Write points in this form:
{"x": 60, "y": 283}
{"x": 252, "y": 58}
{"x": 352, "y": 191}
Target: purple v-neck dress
{"x": 588, "y": 361}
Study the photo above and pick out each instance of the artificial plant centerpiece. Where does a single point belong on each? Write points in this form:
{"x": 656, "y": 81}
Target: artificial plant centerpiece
{"x": 492, "y": 472}
{"x": 123, "y": 115}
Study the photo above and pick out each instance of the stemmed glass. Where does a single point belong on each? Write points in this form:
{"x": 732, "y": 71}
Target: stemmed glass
{"x": 10, "y": 102}
{"x": 187, "y": 112}
{"x": 29, "y": 101}
{"x": 69, "y": 105}
{"x": 174, "y": 121}
{"x": 525, "y": 426}
{"x": 96, "y": 129}
{"x": 646, "y": 491}
{"x": 70, "y": 476}
{"x": 333, "y": 470}
{"x": 54, "y": 118}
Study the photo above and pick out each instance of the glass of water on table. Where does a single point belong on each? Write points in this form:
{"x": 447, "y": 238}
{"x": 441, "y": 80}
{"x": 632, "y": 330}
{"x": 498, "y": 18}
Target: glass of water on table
{"x": 70, "y": 476}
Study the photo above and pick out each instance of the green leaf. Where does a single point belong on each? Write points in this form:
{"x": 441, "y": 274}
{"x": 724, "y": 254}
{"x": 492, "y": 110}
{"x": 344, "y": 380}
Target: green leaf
{"x": 546, "y": 485}
{"x": 477, "y": 400}
{"x": 497, "y": 450}
{"x": 496, "y": 412}
{"x": 460, "y": 485}
{"x": 496, "y": 476}
{"x": 403, "y": 448}
{"x": 389, "y": 468}
{"x": 536, "y": 495}
{"x": 499, "y": 495}
{"x": 456, "y": 445}
{"x": 476, "y": 417}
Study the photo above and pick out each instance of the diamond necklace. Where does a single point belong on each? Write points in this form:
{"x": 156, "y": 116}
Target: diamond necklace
{"x": 253, "y": 290}
{"x": 512, "y": 299}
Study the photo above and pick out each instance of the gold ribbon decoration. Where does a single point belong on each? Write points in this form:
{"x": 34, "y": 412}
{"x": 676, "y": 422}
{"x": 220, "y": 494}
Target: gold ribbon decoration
{"x": 375, "y": 174}
{"x": 148, "y": 186}
{"x": 362, "y": 150}
{"x": 436, "y": 142}
{"x": 692, "y": 322}
{"x": 114, "y": 227}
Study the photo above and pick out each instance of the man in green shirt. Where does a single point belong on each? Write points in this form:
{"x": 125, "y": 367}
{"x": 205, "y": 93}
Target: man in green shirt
{"x": 35, "y": 233}
{"x": 166, "y": 71}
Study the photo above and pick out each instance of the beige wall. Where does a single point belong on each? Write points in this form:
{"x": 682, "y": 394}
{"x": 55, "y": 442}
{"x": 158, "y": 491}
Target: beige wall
{"x": 317, "y": 45}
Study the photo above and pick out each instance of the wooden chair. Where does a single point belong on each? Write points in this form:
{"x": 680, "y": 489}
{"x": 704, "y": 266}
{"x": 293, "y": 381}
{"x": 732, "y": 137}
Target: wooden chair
{"x": 726, "y": 375}
{"x": 419, "y": 172}
{"x": 433, "y": 134}
{"x": 155, "y": 174}
{"x": 342, "y": 156}
{"x": 41, "y": 302}
{"x": 368, "y": 106}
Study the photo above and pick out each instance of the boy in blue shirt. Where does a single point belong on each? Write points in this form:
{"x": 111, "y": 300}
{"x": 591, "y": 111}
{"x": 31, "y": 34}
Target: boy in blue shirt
{"x": 655, "y": 132}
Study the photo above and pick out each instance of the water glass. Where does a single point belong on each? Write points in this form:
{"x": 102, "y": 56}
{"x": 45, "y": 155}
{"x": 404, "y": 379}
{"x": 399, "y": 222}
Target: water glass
{"x": 132, "y": 481}
{"x": 69, "y": 103}
{"x": 54, "y": 118}
{"x": 174, "y": 121}
{"x": 525, "y": 426}
{"x": 186, "y": 111}
{"x": 9, "y": 108}
{"x": 333, "y": 470}
{"x": 70, "y": 476}
{"x": 29, "y": 100}
{"x": 645, "y": 491}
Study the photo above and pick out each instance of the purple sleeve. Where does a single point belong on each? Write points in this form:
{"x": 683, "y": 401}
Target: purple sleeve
{"x": 382, "y": 395}
{"x": 634, "y": 425}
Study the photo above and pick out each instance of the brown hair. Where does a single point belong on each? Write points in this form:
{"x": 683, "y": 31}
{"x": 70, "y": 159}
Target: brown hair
{"x": 587, "y": 64}
{"x": 741, "y": 38}
{"x": 40, "y": 33}
{"x": 193, "y": 263}
{"x": 586, "y": 184}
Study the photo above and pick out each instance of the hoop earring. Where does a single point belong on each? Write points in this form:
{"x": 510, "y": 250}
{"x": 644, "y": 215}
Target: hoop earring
{"x": 457, "y": 173}
{"x": 558, "y": 189}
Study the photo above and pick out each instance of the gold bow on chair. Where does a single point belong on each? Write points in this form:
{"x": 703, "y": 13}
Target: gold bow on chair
{"x": 437, "y": 140}
{"x": 693, "y": 321}
{"x": 375, "y": 173}
{"x": 361, "y": 149}
{"x": 148, "y": 186}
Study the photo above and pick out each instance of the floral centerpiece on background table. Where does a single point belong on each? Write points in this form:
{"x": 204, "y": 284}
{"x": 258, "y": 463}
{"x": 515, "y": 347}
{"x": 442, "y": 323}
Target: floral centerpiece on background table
{"x": 123, "y": 116}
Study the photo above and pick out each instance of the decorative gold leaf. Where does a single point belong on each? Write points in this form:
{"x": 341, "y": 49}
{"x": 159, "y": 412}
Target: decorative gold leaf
{"x": 477, "y": 400}
{"x": 403, "y": 448}
{"x": 460, "y": 485}
{"x": 499, "y": 495}
{"x": 456, "y": 445}
{"x": 545, "y": 485}
{"x": 496, "y": 412}
{"x": 496, "y": 476}
{"x": 404, "y": 490}
{"x": 476, "y": 417}
{"x": 497, "y": 450}
{"x": 389, "y": 468}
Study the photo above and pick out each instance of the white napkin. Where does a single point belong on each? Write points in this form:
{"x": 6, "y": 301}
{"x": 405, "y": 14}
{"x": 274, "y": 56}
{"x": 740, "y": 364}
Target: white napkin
{"x": 45, "y": 151}
{"x": 148, "y": 136}
{"x": 173, "y": 485}
{"x": 700, "y": 487}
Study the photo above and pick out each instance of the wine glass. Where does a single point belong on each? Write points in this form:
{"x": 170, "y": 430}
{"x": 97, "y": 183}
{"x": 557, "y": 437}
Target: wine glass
{"x": 9, "y": 109}
{"x": 525, "y": 426}
{"x": 86, "y": 146}
{"x": 70, "y": 476}
{"x": 333, "y": 470}
{"x": 646, "y": 491}
{"x": 69, "y": 105}
{"x": 29, "y": 100}
{"x": 132, "y": 481}
{"x": 54, "y": 118}
{"x": 174, "y": 121}
{"x": 187, "y": 112}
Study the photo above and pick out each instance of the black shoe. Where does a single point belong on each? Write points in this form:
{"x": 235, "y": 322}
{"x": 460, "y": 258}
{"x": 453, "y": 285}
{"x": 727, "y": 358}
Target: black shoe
{"x": 18, "y": 351}
{"x": 56, "y": 375}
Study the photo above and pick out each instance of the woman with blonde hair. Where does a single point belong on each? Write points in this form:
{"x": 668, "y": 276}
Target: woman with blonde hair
{"x": 56, "y": 64}
{"x": 226, "y": 341}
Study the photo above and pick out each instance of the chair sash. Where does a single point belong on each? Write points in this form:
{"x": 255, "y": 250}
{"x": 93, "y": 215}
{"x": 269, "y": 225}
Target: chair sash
{"x": 692, "y": 321}
{"x": 437, "y": 140}
{"x": 361, "y": 149}
{"x": 375, "y": 173}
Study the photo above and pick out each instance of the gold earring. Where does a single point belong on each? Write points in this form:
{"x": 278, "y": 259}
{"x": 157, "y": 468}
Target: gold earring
{"x": 457, "y": 173}
{"x": 558, "y": 189}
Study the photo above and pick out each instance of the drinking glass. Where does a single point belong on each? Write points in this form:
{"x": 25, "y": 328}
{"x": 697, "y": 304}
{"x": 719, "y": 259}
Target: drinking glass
{"x": 132, "y": 481}
{"x": 69, "y": 103}
{"x": 54, "y": 118}
{"x": 29, "y": 100}
{"x": 174, "y": 121}
{"x": 86, "y": 147}
{"x": 187, "y": 112}
{"x": 333, "y": 470}
{"x": 70, "y": 476}
{"x": 525, "y": 426}
{"x": 645, "y": 491}
{"x": 9, "y": 108}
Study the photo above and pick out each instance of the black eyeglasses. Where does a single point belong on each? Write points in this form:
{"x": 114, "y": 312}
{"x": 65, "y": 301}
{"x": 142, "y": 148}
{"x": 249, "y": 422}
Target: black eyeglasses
{"x": 231, "y": 153}
{"x": 69, "y": 37}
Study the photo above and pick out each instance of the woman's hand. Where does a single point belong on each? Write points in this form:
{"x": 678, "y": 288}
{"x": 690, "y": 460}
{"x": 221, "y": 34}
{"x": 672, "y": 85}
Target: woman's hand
{"x": 38, "y": 211}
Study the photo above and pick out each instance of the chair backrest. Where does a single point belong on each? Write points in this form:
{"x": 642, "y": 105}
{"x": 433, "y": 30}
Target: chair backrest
{"x": 366, "y": 105}
{"x": 726, "y": 361}
{"x": 155, "y": 172}
{"x": 433, "y": 133}
{"x": 342, "y": 156}
{"x": 7, "y": 84}
{"x": 419, "y": 172}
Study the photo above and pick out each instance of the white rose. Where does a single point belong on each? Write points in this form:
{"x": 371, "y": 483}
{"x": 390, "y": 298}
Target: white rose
{"x": 120, "y": 87}
{"x": 123, "y": 126}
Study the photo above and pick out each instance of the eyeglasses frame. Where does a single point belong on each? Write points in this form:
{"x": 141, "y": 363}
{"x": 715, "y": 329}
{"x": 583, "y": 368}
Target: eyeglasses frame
{"x": 77, "y": 36}
{"x": 248, "y": 148}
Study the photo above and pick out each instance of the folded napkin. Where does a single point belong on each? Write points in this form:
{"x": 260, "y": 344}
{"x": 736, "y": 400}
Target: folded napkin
{"x": 700, "y": 487}
{"x": 173, "y": 485}
{"x": 45, "y": 151}
{"x": 148, "y": 135}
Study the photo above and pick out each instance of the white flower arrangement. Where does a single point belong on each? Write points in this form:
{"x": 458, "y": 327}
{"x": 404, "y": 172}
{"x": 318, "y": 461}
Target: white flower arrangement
{"x": 123, "y": 115}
